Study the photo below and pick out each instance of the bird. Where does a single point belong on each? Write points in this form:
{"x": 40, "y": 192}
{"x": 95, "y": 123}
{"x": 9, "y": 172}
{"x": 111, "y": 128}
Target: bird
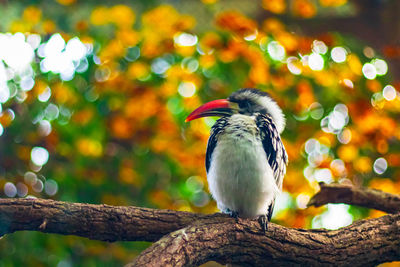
{"x": 245, "y": 157}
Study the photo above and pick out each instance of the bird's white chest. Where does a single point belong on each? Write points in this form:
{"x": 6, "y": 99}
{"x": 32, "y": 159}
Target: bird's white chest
{"x": 240, "y": 178}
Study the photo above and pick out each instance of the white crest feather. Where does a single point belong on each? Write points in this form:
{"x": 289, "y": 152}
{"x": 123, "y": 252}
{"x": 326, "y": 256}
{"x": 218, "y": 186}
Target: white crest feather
{"x": 275, "y": 111}
{"x": 266, "y": 102}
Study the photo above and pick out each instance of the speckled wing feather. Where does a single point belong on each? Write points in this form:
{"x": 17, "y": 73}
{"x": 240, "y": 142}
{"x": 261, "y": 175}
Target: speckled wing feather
{"x": 212, "y": 140}
{"x": 274, "y": 149}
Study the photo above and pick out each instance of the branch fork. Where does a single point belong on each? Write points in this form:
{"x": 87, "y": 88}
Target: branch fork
{"x": 190, "y": 239}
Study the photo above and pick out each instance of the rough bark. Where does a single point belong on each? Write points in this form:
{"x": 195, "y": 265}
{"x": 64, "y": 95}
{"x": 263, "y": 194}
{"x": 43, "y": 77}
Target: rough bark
{"x": 191, "y": 239}
{"x": 364, "y": 197}
{"x": 97, "y": 222}
{"x": 364, "y": 243}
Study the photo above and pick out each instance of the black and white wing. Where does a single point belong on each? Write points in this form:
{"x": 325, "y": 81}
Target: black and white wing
{"x": 216, "y": 129}
{"x": 274, "y": 149}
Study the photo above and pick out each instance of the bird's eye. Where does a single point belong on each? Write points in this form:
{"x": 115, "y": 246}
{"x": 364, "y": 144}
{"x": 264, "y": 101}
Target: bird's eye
{"x": 243, "y": 104}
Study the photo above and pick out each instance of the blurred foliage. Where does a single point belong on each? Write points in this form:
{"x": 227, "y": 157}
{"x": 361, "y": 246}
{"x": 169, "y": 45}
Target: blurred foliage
{"x": 93, "y": 100}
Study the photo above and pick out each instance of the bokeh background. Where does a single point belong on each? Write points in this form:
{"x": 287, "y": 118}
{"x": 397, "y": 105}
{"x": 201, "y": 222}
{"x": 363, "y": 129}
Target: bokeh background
{"x": 93, "y": 97}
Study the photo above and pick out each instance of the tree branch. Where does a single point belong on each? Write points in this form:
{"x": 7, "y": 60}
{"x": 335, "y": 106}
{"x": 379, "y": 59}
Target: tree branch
{"x": 366, "y": 242}
{"x": 98, "y": 222}
{"x": 191, "y": 239}
{"x": 364, "y": 197}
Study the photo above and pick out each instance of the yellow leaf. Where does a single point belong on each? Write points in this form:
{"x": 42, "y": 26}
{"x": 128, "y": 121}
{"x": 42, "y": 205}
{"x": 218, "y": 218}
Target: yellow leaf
{"x": 332, "y": 3}
{"x": 99, "y": 16}
{"x": 363, "y": 165}
{"x": 347, "y": 152}
{"x": 122, "y": 16}
{"x": 275, "y": 6}
{"x": 32, "y": 14}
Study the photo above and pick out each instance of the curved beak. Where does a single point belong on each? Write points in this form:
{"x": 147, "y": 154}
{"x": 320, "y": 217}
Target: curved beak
{"x": 220, "y": 107}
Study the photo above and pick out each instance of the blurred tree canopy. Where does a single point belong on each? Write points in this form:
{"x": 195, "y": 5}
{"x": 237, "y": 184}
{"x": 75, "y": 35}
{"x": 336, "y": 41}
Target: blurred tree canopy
{"x": 93, "y": 97}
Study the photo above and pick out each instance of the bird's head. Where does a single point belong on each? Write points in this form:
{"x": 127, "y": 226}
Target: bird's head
{"x": 246, "y": 102}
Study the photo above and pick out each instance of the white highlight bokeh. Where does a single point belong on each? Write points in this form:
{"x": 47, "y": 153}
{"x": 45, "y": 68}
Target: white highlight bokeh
{"x": 316, "y": 62}
{"x": 39, "y": 156}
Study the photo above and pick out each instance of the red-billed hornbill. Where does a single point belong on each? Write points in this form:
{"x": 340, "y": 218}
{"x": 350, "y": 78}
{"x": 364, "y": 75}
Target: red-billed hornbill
{"x": 245, "y": 158}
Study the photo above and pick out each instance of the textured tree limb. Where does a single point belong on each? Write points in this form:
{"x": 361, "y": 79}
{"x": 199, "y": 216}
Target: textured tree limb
{"x": 98, "y": 222}
{"x": 364, "y": 197}
{"x": 364, "y": 243}
{"x": 194, "y": 238}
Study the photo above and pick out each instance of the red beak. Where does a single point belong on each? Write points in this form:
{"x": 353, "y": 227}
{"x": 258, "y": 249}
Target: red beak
{"x": 220, "y": 107}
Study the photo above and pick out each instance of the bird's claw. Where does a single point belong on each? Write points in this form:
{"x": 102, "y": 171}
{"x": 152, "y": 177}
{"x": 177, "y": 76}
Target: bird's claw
{"x": 233, "y": 214}
{"x": 263, "y": 222}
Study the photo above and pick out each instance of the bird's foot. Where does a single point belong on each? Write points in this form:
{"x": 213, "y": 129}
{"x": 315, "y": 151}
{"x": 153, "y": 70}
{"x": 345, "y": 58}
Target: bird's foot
{"x": 233, "y": 214}
{"x": 263, "y": 222}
